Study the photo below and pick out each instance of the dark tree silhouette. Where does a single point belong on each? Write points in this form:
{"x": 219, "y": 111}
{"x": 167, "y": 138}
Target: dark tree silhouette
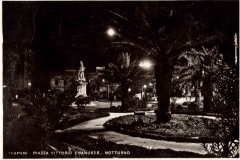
{"x": 127, "y": 74}
{"x": 225, "y": 103}
{"x": 198, "y": 72}
{"x": 164, "y": 30}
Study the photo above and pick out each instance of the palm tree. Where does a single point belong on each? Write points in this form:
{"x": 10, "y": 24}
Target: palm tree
{"x": 199, "y": 71}
{"x": 163, "y": 31}
{"x": 127, "y": 74}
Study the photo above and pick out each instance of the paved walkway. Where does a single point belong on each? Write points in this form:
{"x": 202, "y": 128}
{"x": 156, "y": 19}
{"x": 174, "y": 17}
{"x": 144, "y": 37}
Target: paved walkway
{"x": 97, "y": 124}
{"x": 149, "y": 143}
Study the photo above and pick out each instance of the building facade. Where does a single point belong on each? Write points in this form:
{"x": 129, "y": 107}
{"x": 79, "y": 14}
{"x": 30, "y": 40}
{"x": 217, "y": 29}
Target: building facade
{"x": 59, "y": 80}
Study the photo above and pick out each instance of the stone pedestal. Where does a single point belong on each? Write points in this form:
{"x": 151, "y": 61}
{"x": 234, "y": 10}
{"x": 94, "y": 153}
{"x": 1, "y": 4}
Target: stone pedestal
{"x": 81, "y": 89}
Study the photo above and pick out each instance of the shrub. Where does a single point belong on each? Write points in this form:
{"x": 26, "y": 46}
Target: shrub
{"x": 114, "y": 108}
{"x": 225, "y": 103}
{"x": 142, "y": 104}
{"x": 186, "y": 103}
{"x": 193, "y": 106}
{"x": 47, "y": 112}
{"x": 179, "y": 107}
{"x": 82, "y": 101}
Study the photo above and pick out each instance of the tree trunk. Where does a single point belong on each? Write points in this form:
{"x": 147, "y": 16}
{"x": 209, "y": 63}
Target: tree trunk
{"x": 197, "y": 94}
{"x": 226, "y": 151}
{"x": 163, "y": 78}
{"x": 207, "y": 95}
{"x": 124, "y": 95}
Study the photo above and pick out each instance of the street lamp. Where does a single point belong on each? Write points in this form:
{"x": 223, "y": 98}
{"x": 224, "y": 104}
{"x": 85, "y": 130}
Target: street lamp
{"x": 145, "y": 93}
{"x": 29, "y": 85}
{"x": 111, "y": 32}
{"x": 103, "y": 80}
{"x": 236, "y": 46}
{"x": 143, "y": 90}
{"x": 145, "y": 64}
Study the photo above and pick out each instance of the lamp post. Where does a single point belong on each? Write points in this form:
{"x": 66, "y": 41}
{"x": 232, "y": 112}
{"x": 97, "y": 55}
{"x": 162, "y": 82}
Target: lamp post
{"x": 108, "y": 90}
{"x": 103, "y": 80}
{"x": 29, "y": 85}
{"x": 146, "y": 64}
{"x": 144, "y": 90}
{"x": 236, "y": 46}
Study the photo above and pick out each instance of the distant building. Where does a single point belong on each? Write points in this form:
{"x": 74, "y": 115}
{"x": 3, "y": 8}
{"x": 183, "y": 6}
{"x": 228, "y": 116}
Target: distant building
{"x": 25, "y": 71}
{"x": 19, "y": 60}
{"x": 59, "y": 80}
{"x": 96, "y": 85}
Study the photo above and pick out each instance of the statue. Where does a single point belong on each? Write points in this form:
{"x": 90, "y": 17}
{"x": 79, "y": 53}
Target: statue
{"x": 81, "y": 72}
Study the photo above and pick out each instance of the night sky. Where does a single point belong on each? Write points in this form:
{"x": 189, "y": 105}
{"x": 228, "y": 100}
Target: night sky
{"x": 63, "y": 33}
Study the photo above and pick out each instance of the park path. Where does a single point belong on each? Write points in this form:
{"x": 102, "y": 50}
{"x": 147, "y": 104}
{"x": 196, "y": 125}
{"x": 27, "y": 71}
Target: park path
{"x": 149, "y": 143}
{"x": 96, "y": 127}
{"x": 95, "y": 124}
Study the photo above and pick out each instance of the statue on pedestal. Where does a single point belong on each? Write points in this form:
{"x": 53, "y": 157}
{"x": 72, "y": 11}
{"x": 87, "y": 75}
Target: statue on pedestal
{"x": 81, "y": 70}
{"x": 81, "y": 88}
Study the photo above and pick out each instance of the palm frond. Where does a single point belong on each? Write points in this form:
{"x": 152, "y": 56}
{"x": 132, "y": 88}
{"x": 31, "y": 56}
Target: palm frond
{"x": 147, "y": 50}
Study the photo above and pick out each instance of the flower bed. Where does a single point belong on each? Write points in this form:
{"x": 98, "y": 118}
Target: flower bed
{"x": 80, "y": 117}
{"x": 181, "y": 128}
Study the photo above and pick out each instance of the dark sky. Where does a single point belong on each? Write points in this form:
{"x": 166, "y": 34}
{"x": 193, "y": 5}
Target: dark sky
{"x": 63, "y": 33}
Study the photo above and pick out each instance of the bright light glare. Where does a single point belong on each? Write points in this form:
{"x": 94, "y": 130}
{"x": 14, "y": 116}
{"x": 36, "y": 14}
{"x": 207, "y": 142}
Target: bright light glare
{"x": 111, "y": 32}
{"x": 145, "y": 64}
{"x": 29, "y": 84}
{"x": 145, "y": 86}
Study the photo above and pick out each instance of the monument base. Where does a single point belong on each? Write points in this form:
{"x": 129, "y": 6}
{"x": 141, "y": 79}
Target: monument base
{"x": 91, "y": 104}
{"x": 81, "y": 89}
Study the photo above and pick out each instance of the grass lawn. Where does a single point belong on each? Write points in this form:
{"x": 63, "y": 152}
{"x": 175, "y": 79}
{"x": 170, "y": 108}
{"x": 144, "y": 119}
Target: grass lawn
{"x": 181, "y": 128}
